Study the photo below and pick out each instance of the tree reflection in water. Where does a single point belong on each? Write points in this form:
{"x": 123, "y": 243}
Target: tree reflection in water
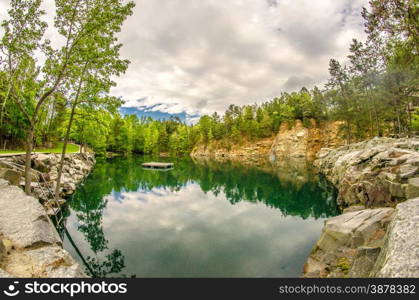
{"x": 292, "y": 189}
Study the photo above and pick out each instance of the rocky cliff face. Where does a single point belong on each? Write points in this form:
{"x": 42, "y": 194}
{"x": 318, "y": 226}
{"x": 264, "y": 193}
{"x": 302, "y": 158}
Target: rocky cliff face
{"x": 296, "y": 143}
{"x": 299, "y": 142}
{"x": 29, "y": 244}
{"x": 375, "y": 173}
{"x": 252, "y": 153}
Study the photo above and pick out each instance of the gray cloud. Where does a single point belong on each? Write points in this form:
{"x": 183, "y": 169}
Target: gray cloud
{"x": 201, "y": 56}
{"x": 297, "y": 82}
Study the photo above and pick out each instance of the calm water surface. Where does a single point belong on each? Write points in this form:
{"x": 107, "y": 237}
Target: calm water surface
{"x": 197, "y": 220}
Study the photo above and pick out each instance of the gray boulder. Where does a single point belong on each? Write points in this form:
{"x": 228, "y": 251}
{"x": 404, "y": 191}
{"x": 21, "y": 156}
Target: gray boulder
{"x": 349, "y": 244}
{"x": 400, "y": 253}
{"x": 23, "y": 220}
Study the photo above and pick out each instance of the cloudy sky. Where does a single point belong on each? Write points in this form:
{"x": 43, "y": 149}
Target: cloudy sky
{"x": 196, "y": 57}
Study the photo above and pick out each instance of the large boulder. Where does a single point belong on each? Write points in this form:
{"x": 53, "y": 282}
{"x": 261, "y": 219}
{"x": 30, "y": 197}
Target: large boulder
{"x": 45, "y": 262}
{"x": 400, "y": 253}
{"x": 23, "y": 219}
{"x": 349, "y": 244}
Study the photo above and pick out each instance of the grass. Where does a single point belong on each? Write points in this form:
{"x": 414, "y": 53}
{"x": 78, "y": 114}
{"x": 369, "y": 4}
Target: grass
{"x": 71, "y": 148}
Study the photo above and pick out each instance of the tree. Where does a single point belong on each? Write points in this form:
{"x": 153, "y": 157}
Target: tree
{"x": 97, "y": 55}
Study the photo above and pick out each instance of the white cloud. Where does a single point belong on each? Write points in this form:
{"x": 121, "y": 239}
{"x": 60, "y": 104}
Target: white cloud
{"x": 173, "y": 229}
{"x": 186, "y": 53}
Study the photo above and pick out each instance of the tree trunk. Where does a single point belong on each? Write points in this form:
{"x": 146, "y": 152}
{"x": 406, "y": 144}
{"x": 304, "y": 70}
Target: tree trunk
{"x": 67, "y": 135}
{"x": 28, "y": 172}
{"x": 348, "y": 132}
{"x": 371, "y": 125}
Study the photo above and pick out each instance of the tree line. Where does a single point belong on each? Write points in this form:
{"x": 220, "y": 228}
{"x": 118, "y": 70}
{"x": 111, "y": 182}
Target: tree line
{"x": 50, "y": 94}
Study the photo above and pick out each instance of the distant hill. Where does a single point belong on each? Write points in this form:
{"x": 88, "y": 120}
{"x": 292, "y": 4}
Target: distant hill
{"x": 157, "y": 115}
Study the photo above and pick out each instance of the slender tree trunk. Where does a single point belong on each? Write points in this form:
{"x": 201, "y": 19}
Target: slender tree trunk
{"x": 66, "y": 138}
{"x": 371, "y": 125}
{"x": 29, "y": 148}
{"x": 4, "y": 104}
{"x": 409, "y": 113}
{"x": 348, "y": 132}
{"x": 377, "y": 121}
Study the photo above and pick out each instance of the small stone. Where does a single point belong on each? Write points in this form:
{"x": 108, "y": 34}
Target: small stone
{"x": 407, "y": 171}
{"x": 396, "y": 190}
{"x": 389, "y": 176}
{"x": 11, "y": 175}
{"x": 3, "y": 183}
{"x": 412, "y": 188}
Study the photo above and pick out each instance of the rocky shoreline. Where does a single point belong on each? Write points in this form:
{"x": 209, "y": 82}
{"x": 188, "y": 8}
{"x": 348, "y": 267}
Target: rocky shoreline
{"x": 378, "y": 233}
{"x": 29, "y": 243}
{"x": 377, "y": 173}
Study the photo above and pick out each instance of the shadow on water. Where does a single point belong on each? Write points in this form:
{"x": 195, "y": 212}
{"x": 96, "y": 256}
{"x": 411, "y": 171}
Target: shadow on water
{"x": 294, "y": 192}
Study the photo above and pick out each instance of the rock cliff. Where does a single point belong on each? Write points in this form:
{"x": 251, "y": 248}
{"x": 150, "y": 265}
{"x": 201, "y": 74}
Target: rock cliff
{"x": 250, "y": 153}
{"x": 296, "y": 143}
{"x": 375, "y": 173}
{"x": 299, "y": 142}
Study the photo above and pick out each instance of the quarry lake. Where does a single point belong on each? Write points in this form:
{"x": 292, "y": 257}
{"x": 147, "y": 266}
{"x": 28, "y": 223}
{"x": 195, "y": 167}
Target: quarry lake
{"x": 197, "y": 220}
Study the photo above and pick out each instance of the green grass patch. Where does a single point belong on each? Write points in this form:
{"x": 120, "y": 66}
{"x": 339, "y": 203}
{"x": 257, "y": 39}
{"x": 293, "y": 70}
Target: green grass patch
{"x": 71, "y": 148}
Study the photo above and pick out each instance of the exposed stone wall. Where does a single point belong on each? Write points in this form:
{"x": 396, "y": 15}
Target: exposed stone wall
{"x": 296, "y": 143}
{"x": 375, "y": 173}
{"x": 299, "y": 142}
{"x": 29, "y": 243}
{"x": 252, "y": 153}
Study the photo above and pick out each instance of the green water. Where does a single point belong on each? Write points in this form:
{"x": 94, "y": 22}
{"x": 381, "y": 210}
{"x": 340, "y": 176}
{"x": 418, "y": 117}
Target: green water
{"x": 197, "y": 220}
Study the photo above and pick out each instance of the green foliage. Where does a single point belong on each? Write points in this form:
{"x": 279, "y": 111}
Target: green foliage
{"x": 375, "y": 93}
